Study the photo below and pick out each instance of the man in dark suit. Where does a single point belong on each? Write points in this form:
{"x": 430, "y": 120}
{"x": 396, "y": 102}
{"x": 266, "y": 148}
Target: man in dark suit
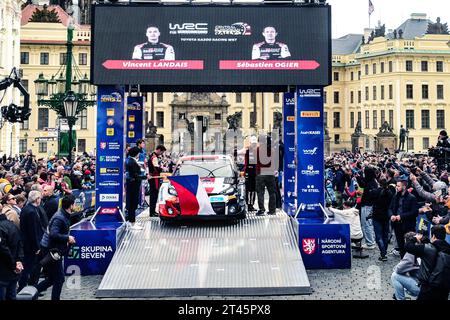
{"x": 50, "y": 200}
{"x": 133, "y": 186}
{"x": 32, "y": 227}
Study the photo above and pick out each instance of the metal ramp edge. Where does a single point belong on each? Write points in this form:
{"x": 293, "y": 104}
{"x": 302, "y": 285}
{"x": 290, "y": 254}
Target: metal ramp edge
{"x": 257, "y": 256}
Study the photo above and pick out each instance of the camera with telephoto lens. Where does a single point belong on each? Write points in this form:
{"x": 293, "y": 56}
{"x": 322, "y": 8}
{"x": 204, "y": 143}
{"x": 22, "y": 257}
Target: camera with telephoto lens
{"x": 436, "y": 152}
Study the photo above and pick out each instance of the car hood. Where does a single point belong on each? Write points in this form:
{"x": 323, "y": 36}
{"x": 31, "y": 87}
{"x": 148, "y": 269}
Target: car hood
{"x": 215, "y": 185}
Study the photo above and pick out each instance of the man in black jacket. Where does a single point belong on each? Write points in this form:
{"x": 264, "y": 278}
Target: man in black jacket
{"x": 32, "y": 227}
{"x": 133, "y": 186}
{"x": 368, "y": 198}
{"x": 56, "y": 242}
{"x": 403, "y": 212}
{"x": 11, "y": 256}
{"x": 428, "y": 254}
{"x": 50, "y": 200}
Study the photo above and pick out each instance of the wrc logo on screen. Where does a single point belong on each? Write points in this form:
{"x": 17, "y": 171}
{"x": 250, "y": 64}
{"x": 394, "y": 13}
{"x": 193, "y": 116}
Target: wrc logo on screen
{"x": 309, "y": 92}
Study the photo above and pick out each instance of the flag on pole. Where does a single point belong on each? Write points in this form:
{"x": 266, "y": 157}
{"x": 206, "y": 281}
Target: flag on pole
{"x": 371, "y": 7}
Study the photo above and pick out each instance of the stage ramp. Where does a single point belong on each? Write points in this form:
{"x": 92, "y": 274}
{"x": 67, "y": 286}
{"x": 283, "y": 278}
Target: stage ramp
{"x": 256, "y": 256}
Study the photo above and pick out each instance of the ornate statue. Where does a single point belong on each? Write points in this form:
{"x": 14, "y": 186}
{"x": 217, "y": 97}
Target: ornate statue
{"x": 150, "y": 129}
{"x": 437, "y": 28}
{"x": 380, "y": 31}
{"x": 277, "y": 120}
{"x": 190, "y": 126}
{"x": 234, "y": 120}
{"x": 400, "y": 34}
{"x": 395, "y": 34}
{"x": 358, "y": 129}
{"x": 386, "y": 128}
{"x": 363, "y": 40}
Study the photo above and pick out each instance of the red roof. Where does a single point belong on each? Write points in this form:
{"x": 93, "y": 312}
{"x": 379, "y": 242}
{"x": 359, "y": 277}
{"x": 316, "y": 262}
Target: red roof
{"x": 28, "y": 11}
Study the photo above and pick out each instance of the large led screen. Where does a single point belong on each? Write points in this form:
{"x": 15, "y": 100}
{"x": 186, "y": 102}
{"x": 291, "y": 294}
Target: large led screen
{"x": 211, "y": 45}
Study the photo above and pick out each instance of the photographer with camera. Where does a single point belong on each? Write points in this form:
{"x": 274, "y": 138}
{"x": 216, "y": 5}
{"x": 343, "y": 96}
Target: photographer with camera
{"x": 442, "y": 151}
{"x": 433, "y": 276}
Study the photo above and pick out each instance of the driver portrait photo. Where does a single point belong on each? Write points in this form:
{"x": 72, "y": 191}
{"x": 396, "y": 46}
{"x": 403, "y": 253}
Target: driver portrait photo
{"x": 270, "y": 49}
{"x": 153, "y": 49}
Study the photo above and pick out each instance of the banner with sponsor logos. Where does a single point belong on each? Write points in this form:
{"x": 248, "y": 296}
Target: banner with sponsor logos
{"x": 325, "y": 246}
{"x": 310, "y": 149}
{"x": 289, "y": 153}
{"x": 94, "y": 249}
{"x": 110, "y": 154}
{"x": 135, "y": 120}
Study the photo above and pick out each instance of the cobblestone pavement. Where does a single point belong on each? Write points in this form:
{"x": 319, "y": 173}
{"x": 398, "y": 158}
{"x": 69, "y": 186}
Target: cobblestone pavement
{"x": 368, "y": 279}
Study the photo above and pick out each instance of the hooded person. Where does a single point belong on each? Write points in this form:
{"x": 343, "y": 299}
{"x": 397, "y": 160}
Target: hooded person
{"x": 368, "y": 199}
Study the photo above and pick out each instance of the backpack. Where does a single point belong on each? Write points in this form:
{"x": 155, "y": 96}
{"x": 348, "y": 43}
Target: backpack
{"x": 440, "y": 277}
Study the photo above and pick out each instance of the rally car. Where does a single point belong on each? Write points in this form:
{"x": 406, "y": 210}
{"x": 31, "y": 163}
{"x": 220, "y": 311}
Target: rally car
{"x": 181, "y": 196}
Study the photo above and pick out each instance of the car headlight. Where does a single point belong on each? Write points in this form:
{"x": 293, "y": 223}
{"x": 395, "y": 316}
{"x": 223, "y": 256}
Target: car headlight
{"x": 229, "y": 190}
{"x": 172, "y": 191}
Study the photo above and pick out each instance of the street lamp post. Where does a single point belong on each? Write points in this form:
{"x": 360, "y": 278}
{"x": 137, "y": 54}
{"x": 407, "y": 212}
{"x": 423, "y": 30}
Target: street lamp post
{"x": 66, "y": 95}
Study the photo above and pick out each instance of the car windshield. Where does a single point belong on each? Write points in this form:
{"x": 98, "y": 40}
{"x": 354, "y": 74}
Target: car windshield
{"x": 205, "y": 169}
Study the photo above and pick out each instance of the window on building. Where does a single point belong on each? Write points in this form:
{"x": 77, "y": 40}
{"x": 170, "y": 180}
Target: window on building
{"x": 352, "y": 119}
{"x": 352, "y": 97}
{"x": 426, "y": 143}
{"x": 337, "y": 138}
{"x": 409, "y": 65}
{"x": 440, "y": 119}
{"x": 367, "y": 119}
{"x": 81, "y": 145}
{"x": 42, "y": 146}
{"x": 382, "y": 93}
{"x": 409, "y": 119}
{"x": 366, "y": 69}
{"x": 375, "y": 119}
{"x": 374, "y": 89}
{"x": 238, "y": 97}
{"x": 182, "y": 116}
{"x": 374, "y": 68}
{"x": 425, "y": 91}
{"x": 383, "y": 116}
{"x": 25, "y": 84}
{"x": 25, "y": 125}
{"x": 409, "y": 91}
{"x": 44, "y": 58}
{"x": 391, "y": 118}
{"x": 359, "y": 96}
{"x": 159, "y": 96}
{"x": 440, "y": 91}
{"x": 160, "y": 119}
{"x": 24, "y": 58}
{"x": 23, "y": 146}
{"x": 63, "y": 58}
{"x": 367, "y": 93}
{"x": 253, "y": 97}
{"x": 410, "y": 143}
{"x": 359, "y": 116}
{"x": 336, "y": 97}
{"x": 391, "y": 66}
{"x": 82, "y": 59}
{"x": 391, "y": 92}
{"x": 335, "y": 76}
{"x": 439, "y": 66}
{"x": 252, "y": 119}
{"x": 324, "y": 97}
{"x": 336, "y": 119}
{"x": 425, "y": 119}
{"x": 424, "y": 66}
{"x": 325, "y": 119}
{"x": 82, "y": 119}
{"x": 382, "y": 67}
{"x": 217, "y": 116}
{"x": 42, "y": 118}
{"x": 359, "y": 75}
{"x": 351, "y": 76}
{"x": 276, "y": 98}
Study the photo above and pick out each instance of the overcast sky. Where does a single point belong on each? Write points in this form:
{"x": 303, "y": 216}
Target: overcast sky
{"x": 351, "y": 16}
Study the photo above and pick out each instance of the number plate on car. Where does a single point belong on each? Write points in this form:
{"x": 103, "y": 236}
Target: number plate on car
{"x": 217, "y": 199}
